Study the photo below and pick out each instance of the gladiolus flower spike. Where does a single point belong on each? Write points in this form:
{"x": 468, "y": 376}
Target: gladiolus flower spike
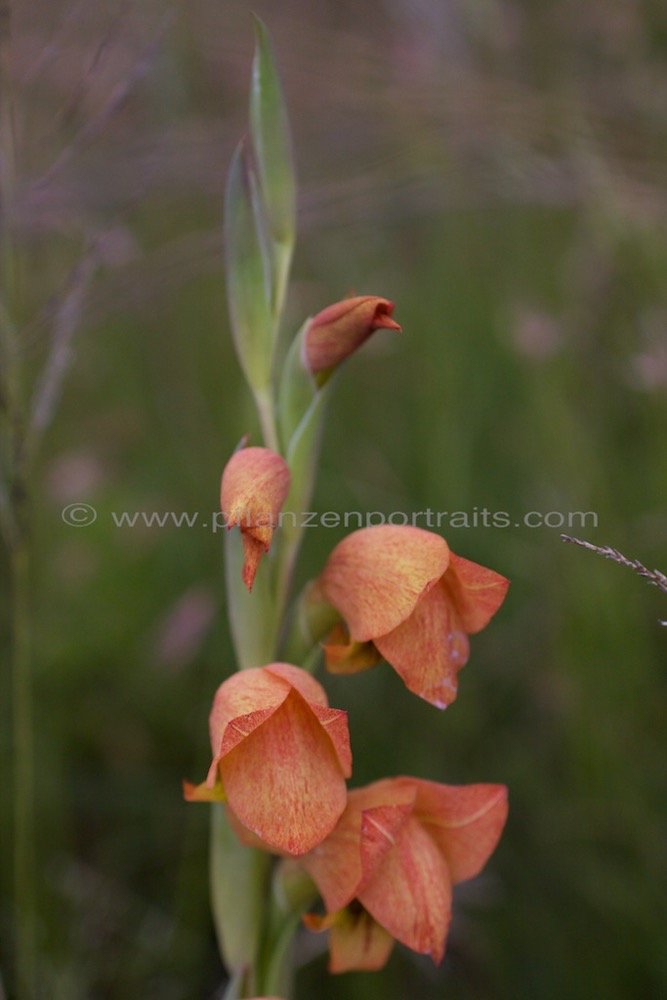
{"x": 406, "y": 598}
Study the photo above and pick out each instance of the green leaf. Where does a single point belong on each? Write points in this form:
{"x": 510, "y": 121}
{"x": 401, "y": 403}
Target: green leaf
{"x": 247, "y": 272}
{"x": 239, "y": 877}
{"x": 297, "y": 389}
{"x": 269, "y": 127}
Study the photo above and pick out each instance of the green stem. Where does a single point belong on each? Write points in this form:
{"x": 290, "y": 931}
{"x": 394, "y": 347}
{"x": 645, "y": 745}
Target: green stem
{"x": 277, "y": 977}
{"x": 303, "y": 454}
{"x": 266, "y": 412}
{"x": 291, "y": 895}
{"x": 283, "y": 261}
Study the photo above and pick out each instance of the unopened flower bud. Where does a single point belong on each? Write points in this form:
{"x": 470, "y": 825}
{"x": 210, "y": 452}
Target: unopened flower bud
{"x": 254, "y": 487}
{"x": 342, "y": 328}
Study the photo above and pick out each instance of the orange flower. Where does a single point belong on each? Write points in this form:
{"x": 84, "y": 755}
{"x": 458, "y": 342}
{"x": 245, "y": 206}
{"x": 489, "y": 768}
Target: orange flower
{"x": 387, "y": 869}
{"x": 401, "y": 589}
{"x": 255, "y": 484}
{"x": 280, "y": 756}
{"x": 342, "y": 328}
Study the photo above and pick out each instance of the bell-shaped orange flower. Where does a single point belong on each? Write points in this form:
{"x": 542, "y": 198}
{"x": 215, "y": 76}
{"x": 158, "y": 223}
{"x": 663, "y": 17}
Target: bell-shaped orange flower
{"x": 401, "y": 589}
{"x": 255, "y": 484}
{"x": 342, "y": 328}
{"x": 387, "y": 870}
{"x": 280, "y": 756}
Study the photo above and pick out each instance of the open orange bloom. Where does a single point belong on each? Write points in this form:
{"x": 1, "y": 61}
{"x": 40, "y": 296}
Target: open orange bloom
{"x": 340, "y": 329}
{"x": 387, "y": 870}
{"x": 401, "y": 589}
{"x": 280, "y": 756}
{"x": 255, "y": 484}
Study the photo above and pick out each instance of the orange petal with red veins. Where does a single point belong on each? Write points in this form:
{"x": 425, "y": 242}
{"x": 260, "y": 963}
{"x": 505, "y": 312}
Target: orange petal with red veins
{"x": 465, "y": 821}
{"x": 387, "y": 791}
{"x": 284, "y": 781}
{"x": 258, "y": 689}
{"x": 300, "y": 679}
{"x": 244, "y": 693}
{"x": 335, "y": 864}
{"x": 410, "y": 892}
{"x": 253, "y": 551}
{"x": 246, "y": 836}
{"x": 476, "y": 592}
{"x": 334, "y": 724}
{"x": 428, "y": 649}
{"x": 344, "y": 656}
{"x": 380, "y": 827}
{"x": 375, "y": 576}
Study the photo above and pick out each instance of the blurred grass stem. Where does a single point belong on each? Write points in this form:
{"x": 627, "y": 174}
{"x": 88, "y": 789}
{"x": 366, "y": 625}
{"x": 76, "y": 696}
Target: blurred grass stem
{"x": 15, "y": 524}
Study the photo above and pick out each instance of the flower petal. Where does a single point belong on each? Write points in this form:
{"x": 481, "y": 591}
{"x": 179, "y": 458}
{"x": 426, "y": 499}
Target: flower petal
{"x": 284, "y": 781}
{"x": 476, "y": 592}
{"x": 375, "y": 576}
{"x": 466, "y": 822}
{"x": 255, "y": 690}
{"x": 380, "y": 827}
{"x": 387, "y": 791}
{"x": 335, "y": 864}
{"x": 242, "y": 694}
{"x": 429, "y": 648}
{"x": 253, "y": 551}
{"x": 334, "y": 724}
{"x": 300, "y": 679}
{"x": 410, "y": 892}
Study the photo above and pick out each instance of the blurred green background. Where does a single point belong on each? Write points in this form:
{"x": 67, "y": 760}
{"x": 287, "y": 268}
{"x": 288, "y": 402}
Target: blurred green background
{"x": 497, "y": 169}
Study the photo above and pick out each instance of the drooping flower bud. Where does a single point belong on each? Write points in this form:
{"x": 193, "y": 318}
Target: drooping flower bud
{"x": 342, "y": 328}
{"x": 255, "y": 484}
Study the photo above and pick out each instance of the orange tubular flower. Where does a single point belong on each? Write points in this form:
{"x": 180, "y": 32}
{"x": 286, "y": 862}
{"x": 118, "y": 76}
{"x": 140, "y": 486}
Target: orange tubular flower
{"x": 401, "y": 589}
{"x": 255, "y": 484}
{"x": 342, "y": 328}
{"x": 387, "y": 869}
{"x": 280, "y": 756}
